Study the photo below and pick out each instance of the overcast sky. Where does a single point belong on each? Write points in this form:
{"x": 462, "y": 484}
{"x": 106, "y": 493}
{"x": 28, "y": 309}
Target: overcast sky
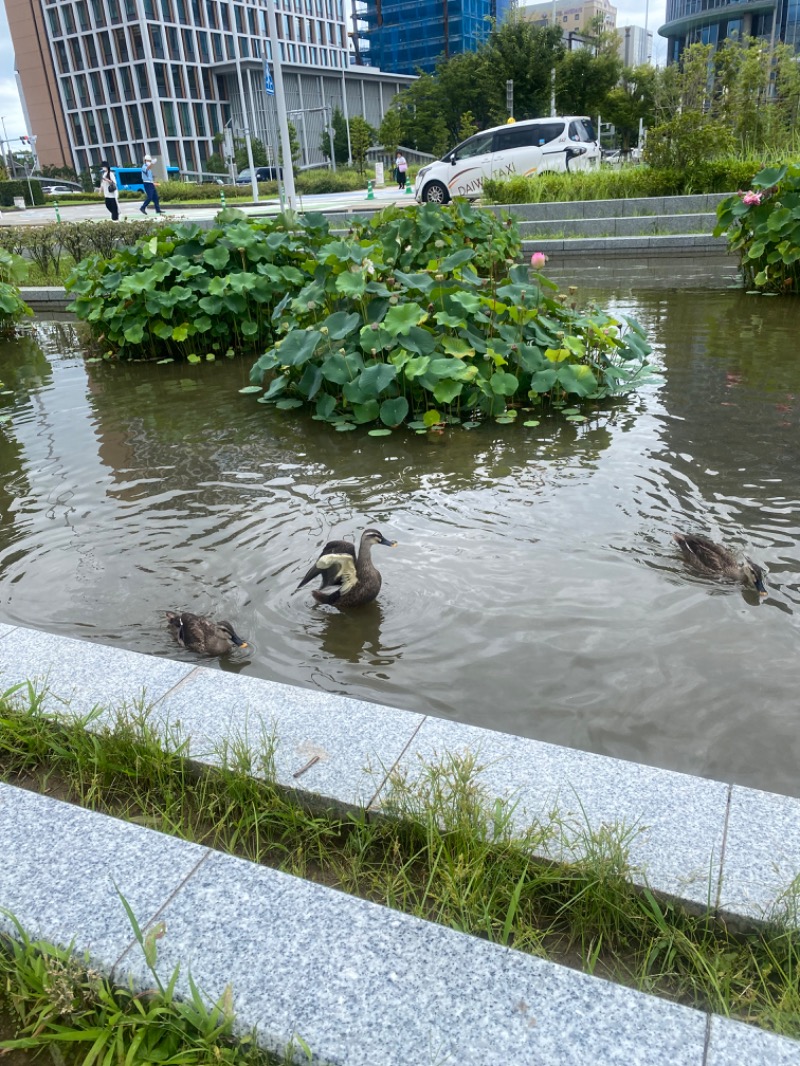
{"x": 629, "y": 12}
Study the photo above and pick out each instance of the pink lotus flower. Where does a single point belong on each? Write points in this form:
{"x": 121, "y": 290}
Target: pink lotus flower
{"x": 751, "y": 198}
{"x": 538, "y": 260}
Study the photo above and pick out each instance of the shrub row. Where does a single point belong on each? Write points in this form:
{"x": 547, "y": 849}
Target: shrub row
{"x": 11, "y": 189}
{"x": 723, "y": 175}
{"x": 47, "y": 245}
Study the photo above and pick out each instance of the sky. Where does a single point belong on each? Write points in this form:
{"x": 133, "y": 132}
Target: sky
{"x": 629, "y": 13}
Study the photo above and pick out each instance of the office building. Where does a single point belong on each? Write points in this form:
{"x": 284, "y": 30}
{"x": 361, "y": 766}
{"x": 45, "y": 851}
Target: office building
{"x": 118, "y": 79}
{"x": 689, "y": 22}
{"x": 572, "y": 17}
{"x": 410, "y": 36}
{"x": 635, "y": 45}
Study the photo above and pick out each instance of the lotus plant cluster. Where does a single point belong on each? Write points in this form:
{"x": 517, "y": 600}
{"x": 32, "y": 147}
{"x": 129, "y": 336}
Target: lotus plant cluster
{"x": 763, "y": 227}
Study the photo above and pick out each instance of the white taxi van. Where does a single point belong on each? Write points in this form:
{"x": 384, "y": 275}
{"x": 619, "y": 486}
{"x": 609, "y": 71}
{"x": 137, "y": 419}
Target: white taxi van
{"x": 518, "y": 149}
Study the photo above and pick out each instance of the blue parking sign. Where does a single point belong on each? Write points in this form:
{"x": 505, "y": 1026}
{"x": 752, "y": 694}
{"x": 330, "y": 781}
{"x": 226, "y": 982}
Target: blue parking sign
{"x": 269, "y": 84}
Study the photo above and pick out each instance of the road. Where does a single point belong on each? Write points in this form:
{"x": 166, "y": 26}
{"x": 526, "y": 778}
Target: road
{"x": 129, "y": 209}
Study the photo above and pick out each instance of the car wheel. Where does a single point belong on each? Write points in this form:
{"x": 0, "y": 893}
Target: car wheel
{"x": 435, "y": 193}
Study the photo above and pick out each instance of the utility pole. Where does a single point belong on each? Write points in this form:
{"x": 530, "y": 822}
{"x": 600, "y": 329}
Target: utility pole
{"x": 280, "y": 104}
{"x": 553, "y": 70}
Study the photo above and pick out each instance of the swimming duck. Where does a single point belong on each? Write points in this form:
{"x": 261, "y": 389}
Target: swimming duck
{"x": 200, "y": 634}
{"x": 710, "y": 558}
{"x": 347, "y": 580}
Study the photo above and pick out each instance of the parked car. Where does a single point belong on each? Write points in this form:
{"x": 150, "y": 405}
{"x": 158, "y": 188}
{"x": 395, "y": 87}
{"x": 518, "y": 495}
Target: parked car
{"x": 262, "y": 174}
{"x": 516, "y": 149}
{"x": 58, "y": 189}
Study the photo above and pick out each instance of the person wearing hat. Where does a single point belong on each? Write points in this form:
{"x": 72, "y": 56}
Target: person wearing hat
{"x": 150, "y": 191}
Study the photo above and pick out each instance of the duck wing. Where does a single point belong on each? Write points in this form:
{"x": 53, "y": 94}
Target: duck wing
{"x": 186, "y": 628}
{"x": 705, "y": 554}
{"x": 336, "y": 566}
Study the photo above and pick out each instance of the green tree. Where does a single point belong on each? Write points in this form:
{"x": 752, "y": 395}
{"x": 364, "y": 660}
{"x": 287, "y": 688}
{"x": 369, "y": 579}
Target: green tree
{"x": 630, "y": 100}
{"x": 419, "y": 108}
{"x": 362, "y": 136}
{"x": 240, "y": 153}
{"x": 583, "y": 81}
{"x": 294, "y": 144}
{"x": 390, "y": 131}
{"x": 467, "y": 126}
{"x": 525, "y": 53}
{"x": 340, "y": 148}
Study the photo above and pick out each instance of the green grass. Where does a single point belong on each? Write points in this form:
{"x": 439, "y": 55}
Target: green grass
{"x": 441, "y": 848}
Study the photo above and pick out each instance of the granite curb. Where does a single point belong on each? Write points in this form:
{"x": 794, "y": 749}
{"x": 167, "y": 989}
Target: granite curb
{"x": 360, "y": 983}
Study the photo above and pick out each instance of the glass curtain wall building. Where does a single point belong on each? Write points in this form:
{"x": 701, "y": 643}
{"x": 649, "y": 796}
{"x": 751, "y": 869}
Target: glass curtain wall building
{"x": 118, "y": 79}
{"x": 409, "y": 36}
{"x": 712, "y": 21}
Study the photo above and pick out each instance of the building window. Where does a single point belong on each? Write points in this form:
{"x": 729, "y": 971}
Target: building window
{"x": 69, "y": 93}
{"x": 111, "y": 86}
{"x": 122, "y": 45}
{"x": 91, "y": 51}
{"x": 99, "y": 13}
{"x": 161, "y": 79}
{"x": 69, "y": 19}
{"x": 55, "y": 22}
{"x": 97, "y": 88}
{"x": 157, "y": 42}
{"x": 127, "y": 83}
{"x": 177, "y": 80}
{"x": 194, "y": 87}
{"x": 183, "y": 16}
{"x": 200, "y": 120}
{"x": 141, "y": 78}
{"x": 188, "y": 44}
{"x": 168, "y": 111}
{"x": 150, "y": 119}
{"x": 135, "y": 121}
{"x": 119, "y": 124}
{"x": 77, "y": 55}
{"x": 83, "y": 15}
{"x": 166, "y": 11}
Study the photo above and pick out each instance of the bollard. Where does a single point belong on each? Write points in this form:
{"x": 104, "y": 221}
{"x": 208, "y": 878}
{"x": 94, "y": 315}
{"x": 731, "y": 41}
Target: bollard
{"x": 370, "y": 193}
{"x": 55, "y": 205}
{"x": 222, "y": 197}
{"x": 409, "y": 190}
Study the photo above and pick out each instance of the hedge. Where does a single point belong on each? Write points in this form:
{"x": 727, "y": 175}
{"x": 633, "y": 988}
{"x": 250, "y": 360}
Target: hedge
{"x": 10, "y": 189}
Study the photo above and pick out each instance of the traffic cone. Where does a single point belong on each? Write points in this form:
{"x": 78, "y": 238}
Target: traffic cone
{"x": 58, "y": 213}
{"x": 409, "y": 190}
{"x": 222, "y": 197}
{"x": 370, "y": 193}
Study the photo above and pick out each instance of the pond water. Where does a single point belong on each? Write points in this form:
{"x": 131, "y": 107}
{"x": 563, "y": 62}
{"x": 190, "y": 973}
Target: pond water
{"x": 535, "y": 588}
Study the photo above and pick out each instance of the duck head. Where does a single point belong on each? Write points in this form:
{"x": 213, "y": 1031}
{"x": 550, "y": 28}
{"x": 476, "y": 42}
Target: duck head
{"x": 753, "y": 574}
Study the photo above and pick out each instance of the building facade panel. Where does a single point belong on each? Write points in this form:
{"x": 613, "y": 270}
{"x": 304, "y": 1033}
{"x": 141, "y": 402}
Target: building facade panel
{"x": 713, "y": 21}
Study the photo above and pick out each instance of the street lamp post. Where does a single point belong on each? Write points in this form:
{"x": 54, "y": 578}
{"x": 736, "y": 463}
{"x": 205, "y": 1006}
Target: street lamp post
{"x": 7, "y": 155}
{"x": 553, "y": 70}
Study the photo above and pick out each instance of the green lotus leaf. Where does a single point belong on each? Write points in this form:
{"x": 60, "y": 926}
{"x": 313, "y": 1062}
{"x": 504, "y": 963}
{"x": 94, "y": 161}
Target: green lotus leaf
{"x": 311, "y": 381}
{"x": 401, "y": 317}
{"x": 250, "y": 388}
{"x": 393, "y": 411}
{"x": 457, "y": 347}
{"x": 341, "y": 324}
{"x": 374, "y": 379}
{"x": 217, "y": 257}
{"x": 350, "y": 284}
{"x": 446, "y": 391}
{"x": 365, "y": 412}
{"x": 298, "y": 346}
{"x": 326, "y": 405}
{"x": 276, "y": 387}
{"x": 503, "y": 384}
{"x": 457, "y": 259}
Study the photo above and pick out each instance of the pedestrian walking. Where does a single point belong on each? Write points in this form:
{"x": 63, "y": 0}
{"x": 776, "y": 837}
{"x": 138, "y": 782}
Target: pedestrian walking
{"x": 150, "y": 191}
{"x": 109, "y": 191}
{"x": 400, "y": 168}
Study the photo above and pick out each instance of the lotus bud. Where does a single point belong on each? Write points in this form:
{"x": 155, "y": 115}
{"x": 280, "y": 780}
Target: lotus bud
{"x": 374, "y": 327}
{"x": 573, "y": 289}
{"x": 439, "y": 277}
{"x": 393, "y": 300}
{"x": 538, "y": 260}
{"x": 311, "y": 305}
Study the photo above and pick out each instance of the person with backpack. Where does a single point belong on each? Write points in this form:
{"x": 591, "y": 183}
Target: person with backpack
{"x": 109, "y": 191}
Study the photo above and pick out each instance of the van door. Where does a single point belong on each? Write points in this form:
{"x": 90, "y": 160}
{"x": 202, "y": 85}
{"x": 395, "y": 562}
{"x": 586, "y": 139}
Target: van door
{"x": 516, "y": 152}
{"x": 470, "y": 163}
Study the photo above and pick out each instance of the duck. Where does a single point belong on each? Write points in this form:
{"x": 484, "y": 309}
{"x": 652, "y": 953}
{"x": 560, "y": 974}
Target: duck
{"x": 348, "y": 580}
{"x": 710, "y": 558}
{"x": 202, "y": 635}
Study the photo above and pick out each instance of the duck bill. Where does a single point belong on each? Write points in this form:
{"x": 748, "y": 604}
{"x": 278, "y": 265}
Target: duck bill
{"x": 237, "y": 640}
{"x": 389, "y": 543}
{"x": 761, "y": 589}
